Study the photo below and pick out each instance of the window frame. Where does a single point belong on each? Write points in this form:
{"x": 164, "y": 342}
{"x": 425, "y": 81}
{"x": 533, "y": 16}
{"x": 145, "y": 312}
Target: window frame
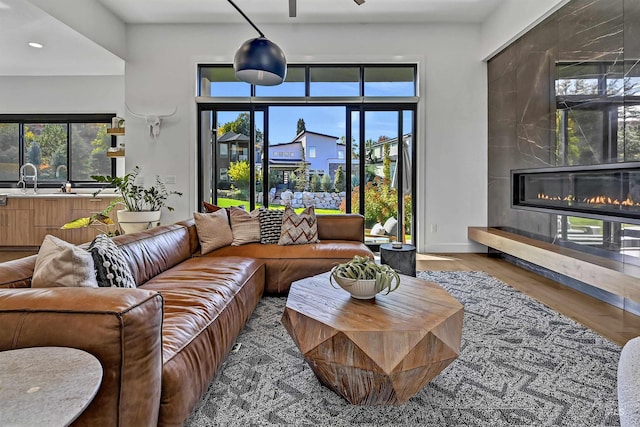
{"x": 203, "y": 67}
{"x": 68, "y": 120}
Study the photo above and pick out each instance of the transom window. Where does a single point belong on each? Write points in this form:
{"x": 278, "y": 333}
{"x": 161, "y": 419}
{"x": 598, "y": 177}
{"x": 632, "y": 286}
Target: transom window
{"x": 342, "y": 81}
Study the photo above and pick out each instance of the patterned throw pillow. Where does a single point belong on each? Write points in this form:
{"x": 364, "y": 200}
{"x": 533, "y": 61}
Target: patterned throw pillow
{"x": 299, "y": 229}
{"x": 111, "y": 266}
{"x": 270, "y": 225}
{"x": 245, "y": 226}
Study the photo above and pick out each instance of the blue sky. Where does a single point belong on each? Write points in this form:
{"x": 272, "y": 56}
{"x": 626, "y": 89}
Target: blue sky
{"x": 328, "y": 120}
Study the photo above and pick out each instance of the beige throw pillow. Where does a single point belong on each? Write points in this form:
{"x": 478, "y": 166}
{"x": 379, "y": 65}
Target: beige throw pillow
{"x": 61, "y": 263}
{"x": 299, "y": 229}
{"x": 245, "y": 226}
{"x": 213, "y": 230}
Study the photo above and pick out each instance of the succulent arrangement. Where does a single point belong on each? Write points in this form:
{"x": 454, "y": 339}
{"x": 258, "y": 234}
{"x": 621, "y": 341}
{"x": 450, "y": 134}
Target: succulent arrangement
{"x": 364, "y": 268}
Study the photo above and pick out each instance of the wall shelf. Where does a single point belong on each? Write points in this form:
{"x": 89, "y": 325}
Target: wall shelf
{"x": 118, "y": 153}
{"x": 115, "y": 131}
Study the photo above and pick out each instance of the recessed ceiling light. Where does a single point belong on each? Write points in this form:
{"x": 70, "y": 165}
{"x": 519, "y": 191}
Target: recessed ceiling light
{"x": 36, "y": 45}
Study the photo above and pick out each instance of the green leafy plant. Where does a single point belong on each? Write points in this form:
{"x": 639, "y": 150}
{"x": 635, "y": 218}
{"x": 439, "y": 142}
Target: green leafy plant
{"x": 100, "y": 220}
{"x": 363, "y": 268}
{"x": 380, "y": 203}
{"x": 137, "y": 198}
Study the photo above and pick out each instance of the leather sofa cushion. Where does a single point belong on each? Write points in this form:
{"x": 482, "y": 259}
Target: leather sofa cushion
{"x": 207, "y": 302}
{"x": 286, "y": 264}
{"x": 194, "y": 293}
{"x": 341, "y": 227}
{"x": 323, "y": 250}
{"x": 151, "y": 252}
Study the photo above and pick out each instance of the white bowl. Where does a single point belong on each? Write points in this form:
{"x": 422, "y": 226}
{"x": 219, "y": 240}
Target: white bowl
{"x": 360, "y": 289}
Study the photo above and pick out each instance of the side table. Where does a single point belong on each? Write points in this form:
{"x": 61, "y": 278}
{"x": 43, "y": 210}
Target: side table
{"x": 46, "y": 386}
{"x": 403, "y": 259}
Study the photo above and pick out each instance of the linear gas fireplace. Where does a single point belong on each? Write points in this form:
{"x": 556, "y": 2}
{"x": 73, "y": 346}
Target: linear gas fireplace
{"x": 610, "y": 192}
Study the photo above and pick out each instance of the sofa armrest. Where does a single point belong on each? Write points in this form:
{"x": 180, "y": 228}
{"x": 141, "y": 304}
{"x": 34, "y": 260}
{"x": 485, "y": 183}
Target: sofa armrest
{"x": 341, "y": 227}
{"x": 120, "y": 327}
{"x": 17, "y": 273}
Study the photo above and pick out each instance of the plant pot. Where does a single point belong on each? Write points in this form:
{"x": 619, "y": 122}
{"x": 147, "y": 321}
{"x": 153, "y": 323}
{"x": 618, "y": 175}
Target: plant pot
{"x": 358, "y": 288}
{"x": 131, "y": 222}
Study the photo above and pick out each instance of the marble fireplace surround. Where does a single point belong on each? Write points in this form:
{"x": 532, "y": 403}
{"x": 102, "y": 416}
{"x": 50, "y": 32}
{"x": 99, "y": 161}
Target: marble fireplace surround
{"x": 566, "y": 94}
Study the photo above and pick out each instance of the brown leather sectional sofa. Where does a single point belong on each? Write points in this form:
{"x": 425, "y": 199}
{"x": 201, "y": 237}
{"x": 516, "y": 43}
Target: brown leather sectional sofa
{"x": 160, "y": 345}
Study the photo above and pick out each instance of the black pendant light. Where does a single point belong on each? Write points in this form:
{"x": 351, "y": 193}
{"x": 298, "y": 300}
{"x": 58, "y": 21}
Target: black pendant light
{"x": 259, "y": 61}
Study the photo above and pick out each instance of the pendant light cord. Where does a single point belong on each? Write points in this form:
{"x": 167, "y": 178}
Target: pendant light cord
{"x": 246, "y": 17}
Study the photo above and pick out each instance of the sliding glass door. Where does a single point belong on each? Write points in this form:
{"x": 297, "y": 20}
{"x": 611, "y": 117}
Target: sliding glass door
{"x": 382, "y": 173}
{"x": 231, "y": 152}
{"x": 338, "y": 158}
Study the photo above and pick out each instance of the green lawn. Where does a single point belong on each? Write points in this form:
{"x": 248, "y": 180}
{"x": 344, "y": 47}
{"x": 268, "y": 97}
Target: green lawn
{"x": 574, "y": 220}
{"x": 225, "y": 203}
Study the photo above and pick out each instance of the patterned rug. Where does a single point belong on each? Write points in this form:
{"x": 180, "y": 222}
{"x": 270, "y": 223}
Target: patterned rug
{"x": 520, "y": 364}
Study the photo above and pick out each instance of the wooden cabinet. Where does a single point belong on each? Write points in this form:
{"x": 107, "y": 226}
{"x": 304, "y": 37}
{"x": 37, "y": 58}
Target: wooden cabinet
{"x": 25, "y": 221}
{"x": 16, "y": 223}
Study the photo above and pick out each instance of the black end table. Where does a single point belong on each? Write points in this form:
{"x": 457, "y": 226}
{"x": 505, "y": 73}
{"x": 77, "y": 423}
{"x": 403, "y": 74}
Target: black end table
{"x": 402, "y": 259}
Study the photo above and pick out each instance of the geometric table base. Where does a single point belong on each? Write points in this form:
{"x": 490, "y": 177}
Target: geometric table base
{"x": 366, "y": 353}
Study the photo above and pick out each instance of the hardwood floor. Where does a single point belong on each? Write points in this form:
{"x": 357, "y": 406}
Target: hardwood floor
{"x": 613, "y": 323}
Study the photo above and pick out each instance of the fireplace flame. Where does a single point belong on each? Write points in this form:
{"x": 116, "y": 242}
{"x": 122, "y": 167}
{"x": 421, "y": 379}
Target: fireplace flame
{"x": 596, "y": 200}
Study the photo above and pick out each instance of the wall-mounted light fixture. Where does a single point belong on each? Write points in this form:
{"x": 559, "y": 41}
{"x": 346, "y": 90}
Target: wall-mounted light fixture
{"x": 259, "y": 61}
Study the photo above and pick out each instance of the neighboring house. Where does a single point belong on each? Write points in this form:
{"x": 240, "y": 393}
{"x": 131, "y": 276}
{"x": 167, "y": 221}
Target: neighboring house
{"x": 375, "y": 152}
{"x": 232, "y": 147}
{"x": 322, "y": 153}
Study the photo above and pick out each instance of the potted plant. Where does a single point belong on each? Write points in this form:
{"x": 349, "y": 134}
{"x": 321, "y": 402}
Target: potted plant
{"x": 363, "y": 278}
{"x": 142, "y": 204}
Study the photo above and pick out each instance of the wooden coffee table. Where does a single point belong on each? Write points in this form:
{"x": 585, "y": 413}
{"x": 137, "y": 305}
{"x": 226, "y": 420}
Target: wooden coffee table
{"x": 379, "y": 351}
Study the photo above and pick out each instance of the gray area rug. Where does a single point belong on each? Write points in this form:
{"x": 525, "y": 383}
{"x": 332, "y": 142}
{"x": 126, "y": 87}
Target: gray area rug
{"x": 520, "y": 364}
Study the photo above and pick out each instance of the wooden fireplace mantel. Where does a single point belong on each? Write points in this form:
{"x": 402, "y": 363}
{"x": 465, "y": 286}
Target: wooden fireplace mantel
{"x": 603, "y": 273}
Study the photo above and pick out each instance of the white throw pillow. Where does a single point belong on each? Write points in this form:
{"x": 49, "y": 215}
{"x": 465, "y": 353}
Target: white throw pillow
{"x": 377, "y": 230}
{"x": 390, "y": 226}
{"x": 62, "y": 264}
{"x": 213, "y": 229}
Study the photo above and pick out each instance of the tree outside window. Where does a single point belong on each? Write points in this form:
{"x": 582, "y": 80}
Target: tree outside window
{"x": 71, "y": 148}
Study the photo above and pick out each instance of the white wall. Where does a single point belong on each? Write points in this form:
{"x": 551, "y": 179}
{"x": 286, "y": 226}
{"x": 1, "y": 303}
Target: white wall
{"x": 512, "y": 19}
{"x": 452, "y": 139}
{"x": 73, "y": 94}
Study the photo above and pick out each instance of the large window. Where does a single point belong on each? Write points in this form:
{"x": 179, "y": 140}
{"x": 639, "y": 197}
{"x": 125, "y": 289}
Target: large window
{"x": 62, "y": 148}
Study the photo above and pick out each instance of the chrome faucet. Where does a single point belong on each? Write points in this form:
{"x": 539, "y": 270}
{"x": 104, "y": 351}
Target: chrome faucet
{"x": 59, "y": 168}
{"x": 34, "y": 177}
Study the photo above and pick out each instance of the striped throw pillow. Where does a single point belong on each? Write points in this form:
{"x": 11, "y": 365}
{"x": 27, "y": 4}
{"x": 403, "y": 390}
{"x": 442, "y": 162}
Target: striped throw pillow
{"x": 299, "y": 229}
{"x": 245, "y": 226}
{"x": 270, "y": 226}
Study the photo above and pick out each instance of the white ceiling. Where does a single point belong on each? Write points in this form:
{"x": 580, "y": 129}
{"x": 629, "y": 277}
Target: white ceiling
{"x": 67, "y": 52}
{"x": 308, "y": 11}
